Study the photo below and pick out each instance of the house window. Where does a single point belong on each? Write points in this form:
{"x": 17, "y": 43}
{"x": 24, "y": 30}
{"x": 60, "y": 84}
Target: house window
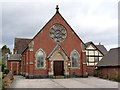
{"x": 74, "y": 58}
{"x": 96, "y": 59}
{"x": 40, "y": 58}
{"x": 87, "y": 59}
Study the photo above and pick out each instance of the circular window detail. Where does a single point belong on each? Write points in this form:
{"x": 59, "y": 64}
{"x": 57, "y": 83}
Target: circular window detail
{"x": 58, "y": 33}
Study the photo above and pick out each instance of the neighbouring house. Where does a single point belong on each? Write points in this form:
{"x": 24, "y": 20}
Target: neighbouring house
{"x": 56, "y": 50}
{"x": 94, "y": 53}
{"x": 109, "y": 66}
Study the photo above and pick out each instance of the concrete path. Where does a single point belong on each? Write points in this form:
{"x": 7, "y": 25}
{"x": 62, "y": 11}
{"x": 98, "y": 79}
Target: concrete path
{"x": 90, "y": 82}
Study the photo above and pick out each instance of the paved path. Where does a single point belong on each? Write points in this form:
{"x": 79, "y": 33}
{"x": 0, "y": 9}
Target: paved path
{"x": 91, "y": 82}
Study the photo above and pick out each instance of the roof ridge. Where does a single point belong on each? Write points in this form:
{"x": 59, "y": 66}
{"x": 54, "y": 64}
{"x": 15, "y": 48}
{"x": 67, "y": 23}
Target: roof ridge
{"x": 22, "y": 38}
{"x": 115, "y": 48}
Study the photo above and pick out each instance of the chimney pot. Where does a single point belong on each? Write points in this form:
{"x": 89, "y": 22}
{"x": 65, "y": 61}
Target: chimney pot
{"x": 99, "y": 43}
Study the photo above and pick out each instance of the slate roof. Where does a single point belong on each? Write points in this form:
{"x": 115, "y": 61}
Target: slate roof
{"x": 20, "y": 44}
{"x": 14, "y": 57}
{"x": 111, "y": 58}
{"x": 88, "y": 43}
{"x": 101, "y": 48}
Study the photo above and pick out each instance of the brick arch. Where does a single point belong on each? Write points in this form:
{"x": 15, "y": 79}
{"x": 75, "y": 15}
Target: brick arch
{"x": 55, "y": 58}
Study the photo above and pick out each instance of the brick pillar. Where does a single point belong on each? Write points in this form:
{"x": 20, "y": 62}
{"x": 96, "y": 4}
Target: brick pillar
{"x": 23, "y": 65}
{"x": 84, "y": 64}
{"x": 31, "y": 67}
{"x": 26, "y": 63}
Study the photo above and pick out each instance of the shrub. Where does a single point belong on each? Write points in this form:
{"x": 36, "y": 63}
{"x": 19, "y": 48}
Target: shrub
{"x": 3, "y": 66}
{"x": 117, "y": 77}
{"x": 6, "y": 71}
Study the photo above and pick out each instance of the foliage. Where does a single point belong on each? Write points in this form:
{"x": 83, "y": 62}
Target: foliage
{"x": 6, "y": 71}
{"x": 5, "y": 50}
{"x": 117, "y": 77}
{"x": 3, "y": 66}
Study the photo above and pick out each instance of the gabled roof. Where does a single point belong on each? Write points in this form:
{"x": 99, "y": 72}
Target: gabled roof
{"x": 111, "y": 58}
{"x": 100, "y": 48}
{"x": 57, "y": 12}
{"x": 20, "y": 44}
{"x": 88, "y": 43}
{"x": 14, "y": 57}
{"x": 55, "y": 49}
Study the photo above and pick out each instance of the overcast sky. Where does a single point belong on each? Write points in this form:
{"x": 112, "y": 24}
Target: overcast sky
{"x": 92, "y": 20}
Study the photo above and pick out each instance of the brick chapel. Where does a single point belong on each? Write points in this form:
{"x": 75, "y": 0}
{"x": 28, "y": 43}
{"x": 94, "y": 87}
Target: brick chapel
{"x": 55, "y": 50}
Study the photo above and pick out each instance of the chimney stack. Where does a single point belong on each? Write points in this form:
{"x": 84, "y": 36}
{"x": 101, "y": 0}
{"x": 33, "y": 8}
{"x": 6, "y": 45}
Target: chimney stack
{"x": 14, "y": 51}
{"x": 99, "y": 43}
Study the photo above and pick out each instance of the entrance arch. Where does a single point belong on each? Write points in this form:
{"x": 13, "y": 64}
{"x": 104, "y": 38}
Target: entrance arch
{"x": 58, "y": 57}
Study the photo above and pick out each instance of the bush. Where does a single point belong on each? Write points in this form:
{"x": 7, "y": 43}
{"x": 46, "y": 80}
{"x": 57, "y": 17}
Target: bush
{"x": 117, "y": 77}
{"x": 3, "y": 66}
{"x": 6, "y": 71}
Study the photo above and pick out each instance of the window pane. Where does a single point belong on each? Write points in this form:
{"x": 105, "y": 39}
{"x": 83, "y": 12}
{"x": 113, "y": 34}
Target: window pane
{"x": 96, "y": 59}
{"x": 38, "y": 64}
{"x": 72, "y": 63}
{"x": 87, "y": 59}
{"x": 40, "y": 59}
{"x": 42, "y": 64}
{"x": 75, "y": 60}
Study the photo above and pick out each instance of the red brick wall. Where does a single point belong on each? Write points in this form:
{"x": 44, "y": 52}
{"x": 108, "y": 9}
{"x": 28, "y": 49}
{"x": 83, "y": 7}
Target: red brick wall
{"x": 90, "y": 70}
{"x": 43, "y": 40}
{"x": 9, "y": 65}
{"x": 14, "y": 66}
{"x": 108, "y": 72}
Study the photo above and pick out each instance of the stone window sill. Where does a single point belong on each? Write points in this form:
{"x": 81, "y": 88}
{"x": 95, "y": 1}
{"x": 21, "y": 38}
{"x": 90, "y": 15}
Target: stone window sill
{"x": 41, "y": 68}
{"x": 74, "y": 68}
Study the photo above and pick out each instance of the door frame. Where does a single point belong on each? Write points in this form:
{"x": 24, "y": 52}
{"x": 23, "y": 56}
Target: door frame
{"x": 52, "y": 59}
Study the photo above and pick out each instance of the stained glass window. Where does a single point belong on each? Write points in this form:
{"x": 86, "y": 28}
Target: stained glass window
{"x": 75, "y": 58}
{"x": 40, "y": 59}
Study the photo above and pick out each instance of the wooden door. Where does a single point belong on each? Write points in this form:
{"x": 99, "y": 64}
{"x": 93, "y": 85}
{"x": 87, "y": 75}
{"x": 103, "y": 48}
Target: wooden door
{"x": 14, "y": 68}
{"x": 58, "y": 68}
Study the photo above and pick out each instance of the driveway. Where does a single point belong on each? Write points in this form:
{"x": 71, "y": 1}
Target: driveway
{"x": 90, "y": 82}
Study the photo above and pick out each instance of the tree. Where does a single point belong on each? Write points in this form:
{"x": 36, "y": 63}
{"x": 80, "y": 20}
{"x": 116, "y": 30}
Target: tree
{"x": 5, "y": 50}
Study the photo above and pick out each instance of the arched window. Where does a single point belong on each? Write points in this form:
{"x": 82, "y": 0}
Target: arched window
{"x": 74, "y": 58}
{"x": 40, "y": 58}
